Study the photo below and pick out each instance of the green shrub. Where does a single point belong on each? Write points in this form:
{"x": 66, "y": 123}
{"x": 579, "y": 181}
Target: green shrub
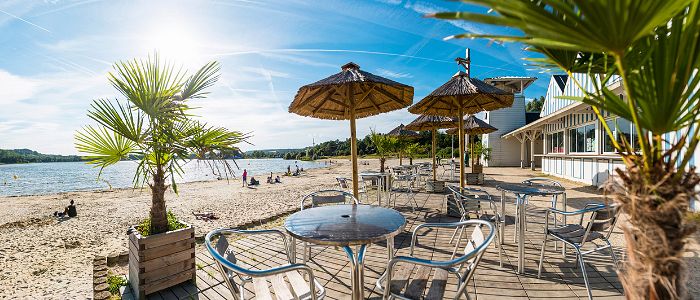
{"x": 173, "y": 224}
{"x": 115, "y": 282}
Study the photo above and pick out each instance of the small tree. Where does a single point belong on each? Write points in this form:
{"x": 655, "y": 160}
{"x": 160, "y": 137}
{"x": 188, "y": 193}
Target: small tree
{"x": 384, "y": 146}
{"x": 412, "y": 151}
{"x": 154, "y": 124}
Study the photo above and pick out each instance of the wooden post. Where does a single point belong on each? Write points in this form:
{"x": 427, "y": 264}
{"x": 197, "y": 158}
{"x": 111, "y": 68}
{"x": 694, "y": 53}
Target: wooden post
{"x": 461, "y": 146}
{"x": 433, "y": 147}
{"x": 532, "y": 150}
{"x": 353, "y": 144}
{"x": 522, "y": 153}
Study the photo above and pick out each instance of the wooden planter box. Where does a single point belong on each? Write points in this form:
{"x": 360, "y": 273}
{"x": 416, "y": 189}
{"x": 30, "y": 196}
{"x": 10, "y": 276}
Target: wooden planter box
{"x": 477, "y": 168}
{"x": 436, "y": 186}
{"x": 160, "y": 261}
{"x": 475, "y": 178}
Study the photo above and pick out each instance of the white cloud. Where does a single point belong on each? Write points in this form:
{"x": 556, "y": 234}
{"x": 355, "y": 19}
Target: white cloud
{"x": 393, "y": 74}
{"x": 15, "y": 88}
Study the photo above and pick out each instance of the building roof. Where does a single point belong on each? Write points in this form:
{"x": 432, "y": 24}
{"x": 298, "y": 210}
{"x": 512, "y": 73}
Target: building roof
{"x": 561, "y": 81}
{"x": 513, "y": 84}
{"x": 531, "y": 116}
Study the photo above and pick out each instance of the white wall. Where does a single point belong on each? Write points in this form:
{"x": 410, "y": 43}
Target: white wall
{"x": 505, "y": 152}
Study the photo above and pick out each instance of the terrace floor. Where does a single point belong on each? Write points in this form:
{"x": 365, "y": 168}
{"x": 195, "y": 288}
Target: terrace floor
{"x": 560, "y": 277}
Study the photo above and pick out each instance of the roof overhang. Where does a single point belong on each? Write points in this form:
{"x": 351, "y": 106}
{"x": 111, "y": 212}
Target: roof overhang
{"x": 549, "y": 119}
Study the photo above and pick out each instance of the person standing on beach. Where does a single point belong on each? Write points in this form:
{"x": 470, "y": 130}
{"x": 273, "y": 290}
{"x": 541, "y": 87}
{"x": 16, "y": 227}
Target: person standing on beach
{"x": 245, "y": 177}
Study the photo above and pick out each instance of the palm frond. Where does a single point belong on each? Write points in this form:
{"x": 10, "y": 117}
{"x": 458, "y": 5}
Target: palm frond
{"x": 104, "y": 148}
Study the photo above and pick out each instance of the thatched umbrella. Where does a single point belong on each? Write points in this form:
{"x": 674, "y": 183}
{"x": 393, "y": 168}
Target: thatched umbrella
{"x": 401, "y": 133}
{"x": 472, "y": 127}
{"x": 459, "y": 96}
{"x": 432, "y": 123}
{"x": 349, "y": 95}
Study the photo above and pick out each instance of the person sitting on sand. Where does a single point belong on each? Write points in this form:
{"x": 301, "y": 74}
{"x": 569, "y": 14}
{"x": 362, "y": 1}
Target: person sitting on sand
{"x": 70, "y": 211}
{"x": 253, "y": 181}
{"x": 277, "y": 179}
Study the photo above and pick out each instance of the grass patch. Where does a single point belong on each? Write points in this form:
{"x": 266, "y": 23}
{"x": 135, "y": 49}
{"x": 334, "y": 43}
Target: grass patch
{"x": 173, "y": 224}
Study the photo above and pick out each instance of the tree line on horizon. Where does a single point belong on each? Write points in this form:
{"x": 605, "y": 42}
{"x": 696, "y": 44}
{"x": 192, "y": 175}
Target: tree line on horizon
{"x": 365, "y": 146}
{"x": 23, "y": 156}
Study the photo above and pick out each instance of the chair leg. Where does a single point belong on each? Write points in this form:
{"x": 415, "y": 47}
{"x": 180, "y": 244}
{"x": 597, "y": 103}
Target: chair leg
{"x": 544, "y": 245}
{"x": 499, "y": 248}
{"x": 612, "y": 253}
{"x": 306, "y": 252}
{"x": 582, "y": 264}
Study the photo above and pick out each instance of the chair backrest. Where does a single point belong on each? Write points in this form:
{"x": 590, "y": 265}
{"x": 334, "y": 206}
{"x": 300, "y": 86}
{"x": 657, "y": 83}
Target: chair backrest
{"x": 476, "y": 246}
{"x": 327, "y": 197}
{"x": 343, "y": 183}
{"x": 603, "y": 220}
{"x": 468, "y": 200}
{"x": 542, "y": 181}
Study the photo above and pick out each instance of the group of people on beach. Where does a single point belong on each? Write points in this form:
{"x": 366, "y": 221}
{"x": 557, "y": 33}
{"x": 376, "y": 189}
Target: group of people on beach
{"x": 254, "y": 182}
{"x": 271, "y": 179}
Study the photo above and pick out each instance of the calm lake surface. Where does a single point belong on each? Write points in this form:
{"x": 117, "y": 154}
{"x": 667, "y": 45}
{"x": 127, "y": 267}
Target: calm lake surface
{"x": 49, "y": 178}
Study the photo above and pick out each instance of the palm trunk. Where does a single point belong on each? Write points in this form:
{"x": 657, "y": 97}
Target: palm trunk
{"x": 410, "y": 161}
{"x": 159, "y": 218}
{"x": 657, "y": 229}
{"x": 381, "y": 164}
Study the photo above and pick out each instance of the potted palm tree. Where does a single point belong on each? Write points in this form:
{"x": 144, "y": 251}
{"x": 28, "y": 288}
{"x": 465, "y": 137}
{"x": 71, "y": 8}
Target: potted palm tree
{"x": 653, "y": 48}
{"x": 384, "y": 145}
{"x": 153, "y": 125}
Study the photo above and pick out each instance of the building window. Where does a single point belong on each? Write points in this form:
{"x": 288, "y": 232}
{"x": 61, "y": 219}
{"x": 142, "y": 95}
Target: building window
{"x": 555, "y": 141}
{"x": 582, "y": 139}
{"x": 620, "y": 128}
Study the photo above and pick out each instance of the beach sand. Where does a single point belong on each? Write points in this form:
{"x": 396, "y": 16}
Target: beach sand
{"x": 41, "y": 258}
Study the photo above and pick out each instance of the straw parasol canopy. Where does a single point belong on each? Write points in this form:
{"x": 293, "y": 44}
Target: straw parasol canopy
{"x": 432, "y": 123}
{"x": 462, "y": 95}
{"x": 401, "y": 132}
{"x": 472, "y": 127}
{"x": 349, "y": 95}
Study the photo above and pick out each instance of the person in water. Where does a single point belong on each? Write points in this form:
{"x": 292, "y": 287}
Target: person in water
{"x": 245, "y": 177}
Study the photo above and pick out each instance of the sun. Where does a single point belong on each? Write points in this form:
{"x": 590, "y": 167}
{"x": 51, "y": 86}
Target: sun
{"x": 173, "y": 41}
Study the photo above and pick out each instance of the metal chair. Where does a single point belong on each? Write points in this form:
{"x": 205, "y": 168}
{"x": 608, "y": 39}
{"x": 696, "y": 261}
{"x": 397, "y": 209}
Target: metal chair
{"x": 391, "y": 285}
{"x": 320, "y": 198}
{"x": 404, "y": 184}
{"x": 345, "y": 184}
{"x": 553, "y": 204}
{"x": 600, "y": 226}
{"x": 469, "y": 201}
{"x": 237, "y": 276}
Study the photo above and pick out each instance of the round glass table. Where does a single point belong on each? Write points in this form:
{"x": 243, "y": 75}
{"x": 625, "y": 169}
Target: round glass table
{"x": 347, "y": 226}
{"x": 522, "y": 191}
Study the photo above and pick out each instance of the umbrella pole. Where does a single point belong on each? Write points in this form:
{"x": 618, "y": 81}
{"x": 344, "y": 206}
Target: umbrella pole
{"x": 433, "y": 148}
{"x": 353, "y": 152}
{"x": 461, "y": 147}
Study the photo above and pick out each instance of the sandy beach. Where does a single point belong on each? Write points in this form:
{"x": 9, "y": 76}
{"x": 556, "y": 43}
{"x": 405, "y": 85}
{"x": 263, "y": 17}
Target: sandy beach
{"x": 42, "y": 258}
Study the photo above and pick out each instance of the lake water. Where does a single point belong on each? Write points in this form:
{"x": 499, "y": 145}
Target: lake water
{"x": 48, "y": 178}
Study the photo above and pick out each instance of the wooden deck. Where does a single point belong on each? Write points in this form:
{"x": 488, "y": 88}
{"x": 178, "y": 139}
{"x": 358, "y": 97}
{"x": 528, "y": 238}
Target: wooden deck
{"x": 560, "y": 278}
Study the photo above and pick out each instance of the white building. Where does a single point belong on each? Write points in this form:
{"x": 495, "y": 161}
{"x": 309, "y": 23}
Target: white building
{"x": 506, "y": 152}
{"x": 569, "y": 140}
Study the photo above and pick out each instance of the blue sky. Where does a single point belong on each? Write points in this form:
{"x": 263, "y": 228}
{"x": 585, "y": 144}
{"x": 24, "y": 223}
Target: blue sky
{"x": 55, "y": 54}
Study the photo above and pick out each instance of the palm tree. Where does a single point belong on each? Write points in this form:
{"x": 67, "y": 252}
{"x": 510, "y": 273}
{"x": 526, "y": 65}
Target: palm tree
{"x": 412, "y": 150}
{"x": 154, "y": 126}
{"x": 384, "y": 146}
{"x": 653, "y": 47}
